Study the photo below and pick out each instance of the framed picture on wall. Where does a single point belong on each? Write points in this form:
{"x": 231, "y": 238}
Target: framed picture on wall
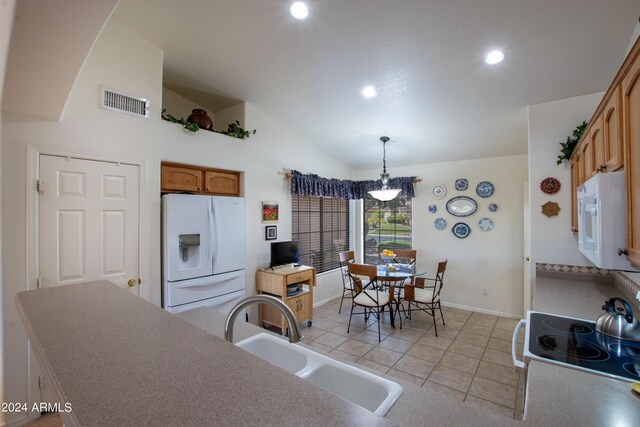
{"x": 271, "y": 232}
{"x": 269, "y": 212}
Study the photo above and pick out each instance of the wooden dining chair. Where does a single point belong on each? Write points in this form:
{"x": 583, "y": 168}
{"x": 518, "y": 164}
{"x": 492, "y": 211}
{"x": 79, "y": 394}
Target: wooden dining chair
{"x": 405, "y": 256}
{"x": 348, "y": 289}
{"x": 368, "y": 295}
{"x": 425, "y": 298}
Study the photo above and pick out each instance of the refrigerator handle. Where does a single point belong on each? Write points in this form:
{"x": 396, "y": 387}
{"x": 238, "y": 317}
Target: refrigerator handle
{"x": 211, "y": 234}
{"x": 216, "y": 232}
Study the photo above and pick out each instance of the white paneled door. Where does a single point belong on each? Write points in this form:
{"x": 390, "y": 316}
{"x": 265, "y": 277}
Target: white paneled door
{"x": 87, "y": 222}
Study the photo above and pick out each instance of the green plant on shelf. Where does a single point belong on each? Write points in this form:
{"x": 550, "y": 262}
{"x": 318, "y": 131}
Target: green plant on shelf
{"x": 190, "y": 126}
{"x": 566, "y": 148}
{"x": 234, "y": 129}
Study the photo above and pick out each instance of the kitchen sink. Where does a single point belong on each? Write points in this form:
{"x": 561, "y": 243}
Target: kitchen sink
{"x": 367, "y": 390}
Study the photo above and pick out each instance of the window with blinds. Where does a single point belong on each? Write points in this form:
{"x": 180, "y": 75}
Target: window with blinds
{"x": 386, "y": 225}
{"x": 321, "y": 227}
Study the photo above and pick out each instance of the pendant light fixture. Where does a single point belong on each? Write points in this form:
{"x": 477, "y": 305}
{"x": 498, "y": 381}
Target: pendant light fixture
{"x": 386, "y": 193}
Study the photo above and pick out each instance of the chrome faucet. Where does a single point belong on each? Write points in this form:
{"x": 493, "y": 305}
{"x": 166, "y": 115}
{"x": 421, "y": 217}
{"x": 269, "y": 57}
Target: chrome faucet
{"x": 294, "y": 329}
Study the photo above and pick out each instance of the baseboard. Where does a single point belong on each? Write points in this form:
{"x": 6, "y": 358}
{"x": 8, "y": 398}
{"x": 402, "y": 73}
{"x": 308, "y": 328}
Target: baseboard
{"x": 326, "y": 300}
{"x": 482, "y": 310}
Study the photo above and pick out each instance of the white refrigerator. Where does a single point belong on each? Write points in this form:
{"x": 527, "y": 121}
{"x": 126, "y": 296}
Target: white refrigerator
{"x": 203, "y": 255}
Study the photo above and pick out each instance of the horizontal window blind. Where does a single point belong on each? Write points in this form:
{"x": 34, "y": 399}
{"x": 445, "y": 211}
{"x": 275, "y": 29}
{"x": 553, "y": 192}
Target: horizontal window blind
{"x": 386, "y": 225}
{"x": 321, "y": 227}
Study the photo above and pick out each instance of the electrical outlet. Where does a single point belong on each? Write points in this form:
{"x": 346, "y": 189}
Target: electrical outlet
{"x": 485, "y": 291}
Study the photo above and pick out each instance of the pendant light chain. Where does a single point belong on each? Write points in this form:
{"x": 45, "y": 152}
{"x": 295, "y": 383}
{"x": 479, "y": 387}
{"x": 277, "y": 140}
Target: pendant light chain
{"x": 384, "y": 156}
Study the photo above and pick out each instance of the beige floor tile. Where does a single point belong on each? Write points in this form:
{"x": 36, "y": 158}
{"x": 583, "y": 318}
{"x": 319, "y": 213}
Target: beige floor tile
{"x": 444, "y": 391}
{"x": 343, "y": 356}
{"x": 489, "y": 406}
{"x": 483, "y": 319}
{"x": 451, "y": 378}
{"x": 385, "y": 328}
{"x": 452, "y": 324}
{"x": 408, "y": 334}
{"x": 453, "y": 310}
{"x": 326, "y": 324}
{"x": 425, "y": 352}
{"x": 466, "y": 349}
{"x": 493, "y": 391}
{"x": 373, "y": 365}
{"x": 470, "y": 338}
{"x": 498, "y": 357}
{"x": 331, "y": 340}
{"x": 438, "y": 342}
{"x": 412, "y": 379}
{"x": 459, "y": 362}
{"x": 505, "y": 335}
{"x": 383, "y": 356}
{"x": 476, "y": 329}
{"x": 321, "y": 313}
{"x": 497, "y": 373}
{"x": 414, "y": 366}
{"x": 396, "y": 344}
{"x": 312, "y": 333}
{"x": 342, "y": 330}
{"x": 355, "y": 347}
{"x": 459, "y": 316}
{"x": 317, "y": 346}
{"x": 443, "y": 331}
{"x": 498, "y": 344}
{"x": 506, "y": 323}
{"x": 370, "y": 336}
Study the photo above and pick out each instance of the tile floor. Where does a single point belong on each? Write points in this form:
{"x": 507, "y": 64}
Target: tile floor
{"x": 469, "y": 360}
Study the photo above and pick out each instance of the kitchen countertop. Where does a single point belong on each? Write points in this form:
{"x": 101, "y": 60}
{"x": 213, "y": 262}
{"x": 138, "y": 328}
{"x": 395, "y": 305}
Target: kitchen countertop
{"x": 185, "y": 374}
{"x": 120, "y": 360}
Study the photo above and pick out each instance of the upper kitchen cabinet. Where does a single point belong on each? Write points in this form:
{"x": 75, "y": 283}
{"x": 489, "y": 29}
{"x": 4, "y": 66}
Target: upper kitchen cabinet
{"x": 179, "y": 178}
{"x": 587, "y": 167}
{"x": 612, "y": 133}
{"x": 225, "y": 183}
{"x": 631, "y": 119}
{"x": 597, "y": 146}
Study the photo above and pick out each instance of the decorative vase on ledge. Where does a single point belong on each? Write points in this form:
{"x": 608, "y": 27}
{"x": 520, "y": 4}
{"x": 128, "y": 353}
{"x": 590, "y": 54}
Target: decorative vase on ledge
{"x": 199, "y": 117}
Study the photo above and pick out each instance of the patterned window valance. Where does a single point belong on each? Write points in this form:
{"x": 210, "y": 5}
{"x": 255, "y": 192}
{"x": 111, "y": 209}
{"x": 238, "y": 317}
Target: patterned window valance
{"x": 314, "y": 185}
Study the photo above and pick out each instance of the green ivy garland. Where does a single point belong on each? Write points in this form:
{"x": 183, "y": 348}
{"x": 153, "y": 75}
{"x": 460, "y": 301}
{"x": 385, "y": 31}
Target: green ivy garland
{"x": 566, "y": 148}
{"x": 233, "y": 129}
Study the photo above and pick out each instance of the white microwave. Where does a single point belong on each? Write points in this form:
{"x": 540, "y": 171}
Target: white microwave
{"x": 602, "y": 222}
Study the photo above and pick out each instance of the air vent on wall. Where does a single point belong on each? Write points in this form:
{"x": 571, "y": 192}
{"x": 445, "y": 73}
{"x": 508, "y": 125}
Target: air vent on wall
{"x": 111, "y": 100}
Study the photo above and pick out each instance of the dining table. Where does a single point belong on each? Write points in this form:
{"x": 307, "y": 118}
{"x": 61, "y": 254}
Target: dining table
{"x": 397, "y": 275}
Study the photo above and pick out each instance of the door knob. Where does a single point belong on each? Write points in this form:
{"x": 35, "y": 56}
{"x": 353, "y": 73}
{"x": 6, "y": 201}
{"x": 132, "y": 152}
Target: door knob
{"x": 131, "y": 282}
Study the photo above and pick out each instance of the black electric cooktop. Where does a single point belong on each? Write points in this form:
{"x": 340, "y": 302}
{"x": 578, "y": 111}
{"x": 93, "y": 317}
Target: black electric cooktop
{"x": 577, "y": 343}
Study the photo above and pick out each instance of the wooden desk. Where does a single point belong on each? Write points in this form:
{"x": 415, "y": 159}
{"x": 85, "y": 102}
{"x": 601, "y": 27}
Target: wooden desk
{"x": 274, "y": 283}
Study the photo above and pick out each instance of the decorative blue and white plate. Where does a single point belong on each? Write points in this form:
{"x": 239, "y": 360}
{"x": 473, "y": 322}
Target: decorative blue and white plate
{"x": 433, "y": 208}
{"x": 461, "y": 206}
{"x": 484, "y": 189}
{"x": 460, "y": 230}
{"x": 440, "y": 223}
{"x": 439, "y": 191}
{"x": 485, "y": 224}
{"x": 461, "y": 184}
{"x": 493, "y": 207}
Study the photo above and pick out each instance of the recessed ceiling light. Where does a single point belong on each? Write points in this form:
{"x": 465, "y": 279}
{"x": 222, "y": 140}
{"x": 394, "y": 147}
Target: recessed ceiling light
{"x": 299, "y": 10}
{"x": 369, "y": 92}
{"x": 494, "y": 57}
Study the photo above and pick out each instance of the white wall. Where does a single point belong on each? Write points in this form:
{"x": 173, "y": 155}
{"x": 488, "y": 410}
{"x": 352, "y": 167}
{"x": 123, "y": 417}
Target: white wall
{"x": 491, "y": 259}
{"x": 549, "y": 124}
{"x": 88, "y": 128}
{"x": 6, "y": 22}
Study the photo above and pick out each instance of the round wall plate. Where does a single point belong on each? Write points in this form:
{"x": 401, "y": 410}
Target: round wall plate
{"x": 493, "y": 207}
{"x": 484, "y": 189}
{"x": 461, "y": 184}
{"x": 433, "y": 208}
{"x": 440, "y": 223}
{"x": 439, "y": 191}
{"x": 485, "y": 224}
{"x": 460, "y": 230}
